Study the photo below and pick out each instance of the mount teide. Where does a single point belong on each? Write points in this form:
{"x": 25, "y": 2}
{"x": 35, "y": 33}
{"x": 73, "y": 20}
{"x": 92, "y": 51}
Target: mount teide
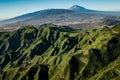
{"x": 74, "y": 16}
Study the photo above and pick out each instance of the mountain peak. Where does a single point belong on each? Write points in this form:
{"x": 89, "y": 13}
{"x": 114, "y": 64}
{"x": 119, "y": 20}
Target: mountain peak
{"x": 77, "y": 7}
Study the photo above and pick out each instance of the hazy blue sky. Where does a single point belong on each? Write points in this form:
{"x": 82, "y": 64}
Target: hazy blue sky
{"x": 12, "y": 8}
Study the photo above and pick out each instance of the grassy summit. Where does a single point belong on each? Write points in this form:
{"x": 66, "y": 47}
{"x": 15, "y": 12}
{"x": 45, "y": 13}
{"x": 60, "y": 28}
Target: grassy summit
{"x": 60, "y": 53}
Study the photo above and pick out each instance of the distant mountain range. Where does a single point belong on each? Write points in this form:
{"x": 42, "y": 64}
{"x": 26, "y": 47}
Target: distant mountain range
{"x": 74, "y": 16}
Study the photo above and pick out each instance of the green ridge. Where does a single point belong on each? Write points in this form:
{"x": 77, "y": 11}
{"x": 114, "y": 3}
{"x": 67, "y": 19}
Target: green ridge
{"x": 52, "y": 52}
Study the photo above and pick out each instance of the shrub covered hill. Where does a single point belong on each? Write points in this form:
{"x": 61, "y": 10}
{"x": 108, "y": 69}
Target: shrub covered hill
{"x": 60, "y": 53}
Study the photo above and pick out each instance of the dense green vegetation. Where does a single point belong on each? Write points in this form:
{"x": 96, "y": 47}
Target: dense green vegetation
{"x": 60, "y": 53}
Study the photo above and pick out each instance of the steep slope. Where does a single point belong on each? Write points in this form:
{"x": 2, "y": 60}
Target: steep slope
{"x": 60, "y": 53}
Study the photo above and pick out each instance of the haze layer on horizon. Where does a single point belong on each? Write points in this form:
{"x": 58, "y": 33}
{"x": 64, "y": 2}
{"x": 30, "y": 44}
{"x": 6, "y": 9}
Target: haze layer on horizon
{"x": 12, "y": 8}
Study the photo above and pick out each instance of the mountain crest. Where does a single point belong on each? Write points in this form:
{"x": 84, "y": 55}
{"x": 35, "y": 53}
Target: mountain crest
{"x": 77, "y": 7}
